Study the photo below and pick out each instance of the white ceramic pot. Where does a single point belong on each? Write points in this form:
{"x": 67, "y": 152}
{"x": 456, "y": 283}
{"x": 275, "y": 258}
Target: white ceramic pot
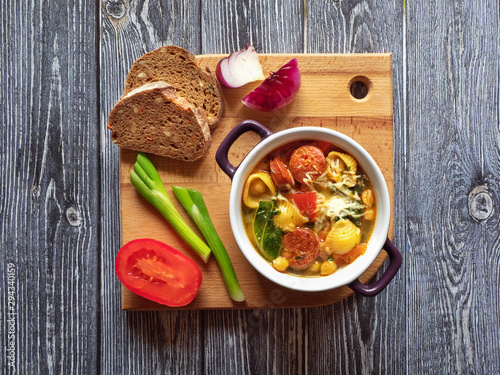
{"x": 347, "y": 275}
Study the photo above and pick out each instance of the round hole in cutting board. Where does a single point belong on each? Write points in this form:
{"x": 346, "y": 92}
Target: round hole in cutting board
{"x": 360, "y": 87}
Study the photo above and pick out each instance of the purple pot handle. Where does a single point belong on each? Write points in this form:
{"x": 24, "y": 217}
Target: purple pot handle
{"x": 243, "y": 127}
{"x": 385, "y": 279}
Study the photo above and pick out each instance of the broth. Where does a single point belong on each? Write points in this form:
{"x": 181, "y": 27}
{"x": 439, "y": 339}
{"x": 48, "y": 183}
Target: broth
{"x": 308, "y": 208}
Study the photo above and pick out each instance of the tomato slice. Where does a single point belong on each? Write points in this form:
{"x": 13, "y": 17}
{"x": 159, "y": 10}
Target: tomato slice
{"x": 352, "y": 255}
{"x": 158, "y": 272}
{"x": 324, "y": 146}
{"x": 305, "y": 202}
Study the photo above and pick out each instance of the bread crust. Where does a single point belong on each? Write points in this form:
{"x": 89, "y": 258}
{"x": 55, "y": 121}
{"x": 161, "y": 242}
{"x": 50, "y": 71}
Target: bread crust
{"x": 154, "y": 119}
{"x": 176, "y": 66}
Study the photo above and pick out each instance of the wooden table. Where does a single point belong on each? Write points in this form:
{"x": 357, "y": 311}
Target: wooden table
{"x": 63, "y": 65}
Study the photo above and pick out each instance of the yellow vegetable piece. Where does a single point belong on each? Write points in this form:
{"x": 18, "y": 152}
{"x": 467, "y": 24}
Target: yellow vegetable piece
{"x": 315, "y": 267}
{"x": 280, "y": 264}
{"x": 328, "y": 267}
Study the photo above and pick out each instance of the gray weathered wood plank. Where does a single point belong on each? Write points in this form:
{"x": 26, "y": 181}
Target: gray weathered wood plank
{"x": 254, "y": 342}
{"x": 166, "y": 342}
{"x": 272, "y": 27}
{"x": 49, "y": 211}
{"x": 363, "y": 335}
{"x": 453, "y": 273}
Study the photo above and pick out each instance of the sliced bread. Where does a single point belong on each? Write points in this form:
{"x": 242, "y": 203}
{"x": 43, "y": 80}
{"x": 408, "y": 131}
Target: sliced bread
{"x": 177, "y": 67}
{"x": 154, "y": 119}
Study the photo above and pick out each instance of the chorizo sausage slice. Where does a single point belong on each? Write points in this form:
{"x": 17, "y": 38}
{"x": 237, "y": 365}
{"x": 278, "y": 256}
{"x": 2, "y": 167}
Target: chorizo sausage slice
{"x": 300, "y": 248}
{"x": 307, "y": 161}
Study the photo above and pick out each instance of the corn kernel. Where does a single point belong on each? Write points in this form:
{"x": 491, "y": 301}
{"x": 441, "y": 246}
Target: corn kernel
{"x": 315, "y": 267}
{"x": 369, "y": 214}
{"x": 280, "y": 264}
{"x": 258, "y": 187}
{"x": 327, "y": 268}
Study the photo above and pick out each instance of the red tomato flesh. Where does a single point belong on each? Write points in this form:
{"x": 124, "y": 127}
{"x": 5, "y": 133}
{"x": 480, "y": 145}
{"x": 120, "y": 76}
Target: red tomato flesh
{"x": 324, "y": 146}
{"x": 351, "y": 256}
{"x": 306, "y": 203}
{"x": 158, "y": 272}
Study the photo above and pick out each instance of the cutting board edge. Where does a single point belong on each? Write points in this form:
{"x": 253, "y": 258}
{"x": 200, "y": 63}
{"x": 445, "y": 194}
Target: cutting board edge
{"x": 301, "y": 54}
{"x": 386, "y": 117}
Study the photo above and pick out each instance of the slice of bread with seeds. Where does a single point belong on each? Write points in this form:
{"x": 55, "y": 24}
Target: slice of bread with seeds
{"x": 154, "y": 119}
{"x": 177, "y": 67}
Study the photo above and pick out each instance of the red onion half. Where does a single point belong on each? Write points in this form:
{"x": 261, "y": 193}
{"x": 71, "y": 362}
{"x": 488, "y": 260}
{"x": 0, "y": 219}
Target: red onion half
{"x": 240, "y": 68}
{"x": 278, "y": 90}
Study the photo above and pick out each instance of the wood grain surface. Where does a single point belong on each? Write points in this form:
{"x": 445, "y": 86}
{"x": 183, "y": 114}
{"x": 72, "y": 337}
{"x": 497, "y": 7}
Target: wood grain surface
{"x": 63, "y": 65}
{"x": 49, "y": 158}
{"x": 456, "y": 231}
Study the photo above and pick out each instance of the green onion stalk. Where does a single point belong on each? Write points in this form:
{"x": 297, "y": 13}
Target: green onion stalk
{"x": 147, "y": 181}
{"x": 193, "y": 202}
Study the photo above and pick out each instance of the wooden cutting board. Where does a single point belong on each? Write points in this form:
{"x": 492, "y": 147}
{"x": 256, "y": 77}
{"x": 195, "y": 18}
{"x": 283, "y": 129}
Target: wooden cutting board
{"x": 324, "y": 100}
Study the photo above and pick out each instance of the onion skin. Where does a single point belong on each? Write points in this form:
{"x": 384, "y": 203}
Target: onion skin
{"x": 239, "y": 68}
{"x": 219, "y": 75}
{"x": 277, "y": 91}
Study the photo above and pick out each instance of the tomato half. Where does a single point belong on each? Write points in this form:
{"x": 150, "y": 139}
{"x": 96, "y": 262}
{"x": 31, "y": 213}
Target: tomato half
{"x": 306, "y": 203}
{"x": 158, "y": 272}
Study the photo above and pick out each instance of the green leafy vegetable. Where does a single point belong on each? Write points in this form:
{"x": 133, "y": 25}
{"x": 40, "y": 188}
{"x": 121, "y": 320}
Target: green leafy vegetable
{"x": 267, "y": 235}
{"x": 193, "y": 202}
{"x": 146, "y": 180}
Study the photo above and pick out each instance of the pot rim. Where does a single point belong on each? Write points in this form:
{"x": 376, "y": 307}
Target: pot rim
{"x": 346, "y": 274}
